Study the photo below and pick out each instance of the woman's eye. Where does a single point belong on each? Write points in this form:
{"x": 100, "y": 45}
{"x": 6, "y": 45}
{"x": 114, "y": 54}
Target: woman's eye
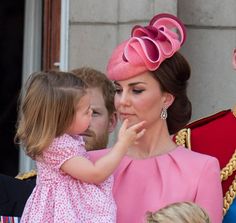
{"x": 137, "y": 91}
{"x": 118, "y": 90}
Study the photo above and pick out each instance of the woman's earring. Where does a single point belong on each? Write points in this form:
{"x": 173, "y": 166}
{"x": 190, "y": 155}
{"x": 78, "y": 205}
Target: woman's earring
{"x": 164, "y": 113}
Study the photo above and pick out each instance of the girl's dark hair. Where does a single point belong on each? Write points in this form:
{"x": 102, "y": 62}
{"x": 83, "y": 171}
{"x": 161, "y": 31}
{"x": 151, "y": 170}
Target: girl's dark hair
{"x": 173, "y": 75}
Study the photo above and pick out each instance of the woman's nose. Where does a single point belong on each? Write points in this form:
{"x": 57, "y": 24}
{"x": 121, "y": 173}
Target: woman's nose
{"x": 124, "y": 99}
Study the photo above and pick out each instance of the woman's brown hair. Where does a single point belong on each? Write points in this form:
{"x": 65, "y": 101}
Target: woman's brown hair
{"x": 173, "y": 75}
{"x": 47, "y": 108}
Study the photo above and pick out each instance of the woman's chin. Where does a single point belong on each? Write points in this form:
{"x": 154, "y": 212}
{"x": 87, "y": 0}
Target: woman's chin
{"x": 131, "y": 121}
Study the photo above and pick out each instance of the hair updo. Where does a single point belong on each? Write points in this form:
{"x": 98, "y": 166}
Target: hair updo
{"x": 173, "y": 75}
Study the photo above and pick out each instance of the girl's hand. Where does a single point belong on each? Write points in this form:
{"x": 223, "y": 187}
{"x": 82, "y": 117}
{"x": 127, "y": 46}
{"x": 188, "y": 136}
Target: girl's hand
{"x": 129, "y": 135}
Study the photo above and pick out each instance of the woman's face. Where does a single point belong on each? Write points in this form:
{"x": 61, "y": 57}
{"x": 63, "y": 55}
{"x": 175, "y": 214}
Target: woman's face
{"x": 139, "y": 98}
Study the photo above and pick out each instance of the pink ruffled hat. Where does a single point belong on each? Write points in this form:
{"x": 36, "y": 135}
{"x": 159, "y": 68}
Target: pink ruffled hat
{"x": 147, "y": 47}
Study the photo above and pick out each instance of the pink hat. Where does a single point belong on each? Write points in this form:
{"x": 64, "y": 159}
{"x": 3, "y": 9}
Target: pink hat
{"x": 147, "y": 48}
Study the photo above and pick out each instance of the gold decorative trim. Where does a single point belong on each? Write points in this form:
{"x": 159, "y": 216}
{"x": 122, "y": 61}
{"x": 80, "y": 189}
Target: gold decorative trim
{"x": 26, "y": 175}
{"x": 188, "y": 139}
{"x": 182, "y": 138}
{"x": 234, "y": 111}
{"x": 229, "y": 196}
{"x": 229, "y": 169}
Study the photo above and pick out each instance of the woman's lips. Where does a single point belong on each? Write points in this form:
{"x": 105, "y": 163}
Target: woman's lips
{"x": 125, "y": 115}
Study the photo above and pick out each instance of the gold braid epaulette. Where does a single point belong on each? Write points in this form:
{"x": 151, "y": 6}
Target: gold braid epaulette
{"x": 26, "y": 175}
{"x": 182, "y": 138}
{"x": 229, "y": 169}
{"x": 229, "y": 196}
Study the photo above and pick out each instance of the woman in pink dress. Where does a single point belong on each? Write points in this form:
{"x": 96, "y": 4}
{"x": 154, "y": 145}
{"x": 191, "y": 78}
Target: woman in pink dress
{"x": 150, "y": 77}
{"x": 70, "y": 188}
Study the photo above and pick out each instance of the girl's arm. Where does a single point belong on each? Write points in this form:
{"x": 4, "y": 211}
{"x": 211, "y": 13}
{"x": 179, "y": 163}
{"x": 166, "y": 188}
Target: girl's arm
{"x": 209, "y": 195}
{"x": 83, "y": 169}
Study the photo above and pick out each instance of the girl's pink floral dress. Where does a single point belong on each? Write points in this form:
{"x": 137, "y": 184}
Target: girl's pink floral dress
{"x": 57, "y": 197}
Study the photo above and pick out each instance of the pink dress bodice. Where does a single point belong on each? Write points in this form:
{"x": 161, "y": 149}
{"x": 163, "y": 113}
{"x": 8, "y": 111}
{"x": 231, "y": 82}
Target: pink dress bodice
{"x": 143, "y": 185}
{"x": 57, "y": 197}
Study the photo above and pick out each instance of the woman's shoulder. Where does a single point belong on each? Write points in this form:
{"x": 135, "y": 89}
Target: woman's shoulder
{"x": 195, "y": 165}
{"x": 195, "y": 157}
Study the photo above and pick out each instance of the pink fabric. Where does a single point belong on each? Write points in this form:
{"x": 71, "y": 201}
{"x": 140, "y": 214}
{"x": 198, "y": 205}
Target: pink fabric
{"x": 150, "y": 184}
{"x": 147, "y": 48}
{"x": 58, "y": 197}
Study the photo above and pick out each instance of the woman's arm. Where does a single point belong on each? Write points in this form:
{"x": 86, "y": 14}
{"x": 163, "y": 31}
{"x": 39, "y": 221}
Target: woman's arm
{"x": 209, "y": 194}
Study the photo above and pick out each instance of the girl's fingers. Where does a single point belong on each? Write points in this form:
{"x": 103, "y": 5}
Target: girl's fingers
{"x": 140, "y": 134}
{"x": 124, "y": 124}
{"x": 137, "y": 126}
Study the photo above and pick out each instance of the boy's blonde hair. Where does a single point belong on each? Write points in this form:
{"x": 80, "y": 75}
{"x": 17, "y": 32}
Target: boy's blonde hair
{"x": 181, "y": 212}
{"x": 47, "y": 108}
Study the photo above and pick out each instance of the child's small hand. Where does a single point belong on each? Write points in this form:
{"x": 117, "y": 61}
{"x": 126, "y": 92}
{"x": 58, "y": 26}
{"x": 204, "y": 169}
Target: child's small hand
{"x": 129, "y": 135}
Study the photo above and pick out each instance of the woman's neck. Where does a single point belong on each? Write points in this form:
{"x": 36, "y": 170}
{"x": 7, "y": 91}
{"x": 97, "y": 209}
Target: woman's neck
{"x": 156, "y": 141}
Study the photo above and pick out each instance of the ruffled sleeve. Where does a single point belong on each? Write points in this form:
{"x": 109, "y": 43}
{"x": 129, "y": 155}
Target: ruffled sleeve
{"x": 209, "y": 195}
{"x": 62, "y": 149}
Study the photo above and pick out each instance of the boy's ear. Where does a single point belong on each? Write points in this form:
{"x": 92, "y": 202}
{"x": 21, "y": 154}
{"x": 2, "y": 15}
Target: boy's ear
{"x": 112, "y": 121}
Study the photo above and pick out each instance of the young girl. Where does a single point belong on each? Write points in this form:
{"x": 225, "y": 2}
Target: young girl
{"x": 181, "y": 212}
{"x": 55, "y": 109}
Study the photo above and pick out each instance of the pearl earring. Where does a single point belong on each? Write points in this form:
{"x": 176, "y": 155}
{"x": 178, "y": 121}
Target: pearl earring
{"x": 164, "y": 113}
